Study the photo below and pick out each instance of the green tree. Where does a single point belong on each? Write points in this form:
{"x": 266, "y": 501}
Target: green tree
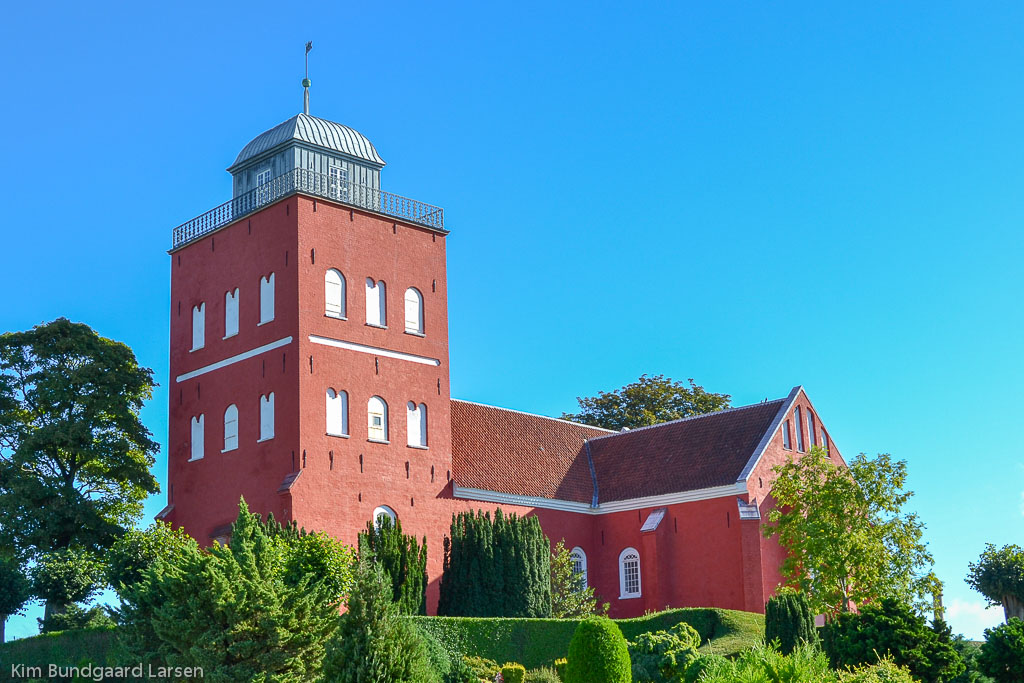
{"x": 242, "y": 611}
{"x": 999, "y": 576}
{"x": 663, "y": 656}
{"x": 891, "y": 627}
{"x": 138, "y": 550}
{"x": 15, "y": 590}
{"x": 403, "y": 559}
{"x": 647, "y": 401}
{"x": 571, "y": 597}
{"x": 598, "y": 653}
{"x": 74, "y": 455}
{"x": 1002, "y": 655}
{"x": 789, "y": 620}
{"x": 373, "y": 643}
{"x": 848, "y": 539}
{"x": 64, "y": 577}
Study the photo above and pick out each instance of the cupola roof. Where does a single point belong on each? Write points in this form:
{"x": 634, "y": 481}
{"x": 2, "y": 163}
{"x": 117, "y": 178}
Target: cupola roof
{"x": 312, "y": 131}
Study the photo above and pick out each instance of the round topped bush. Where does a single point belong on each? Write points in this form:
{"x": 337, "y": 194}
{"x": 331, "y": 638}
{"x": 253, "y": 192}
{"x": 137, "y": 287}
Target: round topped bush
{"x": 598, "y": 653}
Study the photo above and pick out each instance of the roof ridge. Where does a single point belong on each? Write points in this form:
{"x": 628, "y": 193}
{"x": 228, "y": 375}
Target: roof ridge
{"x": 690, "y": 417}
{"x": 543, "y": 417}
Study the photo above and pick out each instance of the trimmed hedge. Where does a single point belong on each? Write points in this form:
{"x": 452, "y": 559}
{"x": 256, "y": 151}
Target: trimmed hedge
{"x": 64, "y": 648}
{"x": 539, "y": 642}
{"x": 598, "y": 653}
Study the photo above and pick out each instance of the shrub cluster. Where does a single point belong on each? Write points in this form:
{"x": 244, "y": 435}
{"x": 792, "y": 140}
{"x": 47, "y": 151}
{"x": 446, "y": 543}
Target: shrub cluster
{"x": 788, "y": 619}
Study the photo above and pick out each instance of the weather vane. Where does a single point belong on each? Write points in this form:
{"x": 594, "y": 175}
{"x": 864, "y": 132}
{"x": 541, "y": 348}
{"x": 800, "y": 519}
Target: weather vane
{"x": 305, "y": 81}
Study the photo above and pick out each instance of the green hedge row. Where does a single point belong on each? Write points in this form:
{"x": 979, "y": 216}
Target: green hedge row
{"x": 66, "y": 648}
{"x": 539, "y": 642}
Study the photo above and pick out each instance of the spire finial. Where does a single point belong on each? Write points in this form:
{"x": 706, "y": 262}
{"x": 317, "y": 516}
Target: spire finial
{"x": 305, "y": 81}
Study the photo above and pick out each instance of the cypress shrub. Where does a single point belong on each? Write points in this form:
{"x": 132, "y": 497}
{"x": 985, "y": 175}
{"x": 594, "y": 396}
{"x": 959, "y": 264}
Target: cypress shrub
{"x": 496, "y": 568}
{"x": 598, "y": 653}
{"x": 788, "y": 619}
{"x": 403, "y": 560}
{"x": 513, "y": 673}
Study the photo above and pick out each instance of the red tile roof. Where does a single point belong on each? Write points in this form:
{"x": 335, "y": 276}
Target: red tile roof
{"x": 507, "y": 451}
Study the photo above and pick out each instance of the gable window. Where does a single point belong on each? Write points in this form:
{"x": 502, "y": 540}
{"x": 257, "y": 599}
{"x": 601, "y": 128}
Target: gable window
{"x": 799, "y": 430}
{"x": 334, "y": 294}
{"x": 267, "y": 417}
{"x": 231, "y": 314}
{"x": 230, "y": 428}
{"x": 824, "y": 442}
{"x": 417, "y": 424}
{"x": 579, "y": 565}
{"x": 413, "y": 311}
{"x": 266, "y": 299}
{"x": 376, "y": 303}
{"x": 198, "y": 436}
{"x": 337, "y": 413}
{"x": 811, "y": 429}
{"x": 384, "y": 512}
{"x": 629, "y": 573}
{"x": 787, "y": 437}
{"x": 198, "y": 326}
{"x": 339, "y": 182}
{"x": 377, "y": 419}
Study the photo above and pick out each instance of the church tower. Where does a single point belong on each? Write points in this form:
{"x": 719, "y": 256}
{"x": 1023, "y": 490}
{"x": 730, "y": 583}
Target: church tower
{"x": 309, "y": 347}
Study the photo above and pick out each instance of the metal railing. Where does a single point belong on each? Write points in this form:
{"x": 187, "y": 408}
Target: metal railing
{"x": 318, "y": 185}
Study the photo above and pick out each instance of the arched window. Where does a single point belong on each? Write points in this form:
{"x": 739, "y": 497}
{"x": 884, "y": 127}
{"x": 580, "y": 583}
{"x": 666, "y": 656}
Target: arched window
{"x": 413, "y": 311}
{"x": 416, "y": 420}
{"x": 334, "y": 294}
{"x": 198, "y": 326}
{"x": 799, "y": 429}
{"x": 377, "y": 418}
{"x": 198, "y": 437}
{"x": 811, "y": 429}
{"x": 231, "y": 313}
{"x": 337, "y": 413}
{"x": 376, "y": 303}
{"x": 266, "y": 299}
{"x": 384, "y": 511}
{"x": 787, "y": 439}
{"x": 267, "y": 417}
{"x": 230, "y": 428}
{"x": 629, "y": 573}
{"x": 579, "y": 565}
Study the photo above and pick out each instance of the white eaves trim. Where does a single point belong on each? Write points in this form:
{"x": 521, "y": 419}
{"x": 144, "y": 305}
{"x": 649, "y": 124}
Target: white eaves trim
{"x": 374, "y": 350}
{"x": 245, "y": 355}
{"x": 784, "y": 409}
{"x": 737, "y": 489}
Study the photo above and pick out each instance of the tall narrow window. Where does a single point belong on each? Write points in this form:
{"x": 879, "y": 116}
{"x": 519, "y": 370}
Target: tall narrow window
{"x": 263, "y": 185}
{"x": 377, "y": 419}
{"x": 198, "y": 437}
{"x": 417, "y": 424}
{"x": 579, "y": 565}
{"x": 339, "y": 182}
{"x": 629, "y": 573}
{"x": 266, "y": 299}
{"x": 231, "y": 313}
{"x": 787, "y": 438}
{"x": 337, "y": 413}
{"x": 267, "y": 417}
{"x": 824, "y": 442}
{"x": 376, "y": 303}
{"x": 811, "y": 429}
{"x": 799, "y": 430}
{"x": 413, "y": 311}
{"x": 230, "y": 428}
{"x": 198, "y": 326}
{"x": 334, "y": 294}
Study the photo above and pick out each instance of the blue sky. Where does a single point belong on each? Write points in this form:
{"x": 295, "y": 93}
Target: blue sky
{"x": 755, "y": 195}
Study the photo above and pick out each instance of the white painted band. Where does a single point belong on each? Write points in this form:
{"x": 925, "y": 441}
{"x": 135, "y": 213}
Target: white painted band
{"x": 234, "y": 359}
{"x": 373, "y": 350}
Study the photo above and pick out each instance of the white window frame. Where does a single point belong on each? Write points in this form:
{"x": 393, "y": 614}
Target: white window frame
{"x": 628, "y": 555}
{"x": 376, "y": 303}
{"x": 413, "y": 311}
{"x": 337, "y": 412}
{"x": 386, "y": 511}
{"x": 579, "y": 565}
{"x": 267, "y": 417}
{"x": 198, "y": 442}
{"x": 334, "y": 308}
{"x": 263, "y": 178}
{"x": 267, "y": 299}
{"x": 231, "y": 313}
{"x": 416, "y": 424}
{"x": 230, "y": 428}
{"x": 338, "y": 183}
{"x": 377, "y": 407}
{"x": 199, "y": 326}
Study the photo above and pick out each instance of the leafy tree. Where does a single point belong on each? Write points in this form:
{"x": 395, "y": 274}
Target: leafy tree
{"x": 969, "y": 652}
{"x": 847, "y": 537}
{"x": 892, "y": 628}
{"x": 75, "y": 617}
{"x": 647, "y": 401}
{"x": 138, "y": 550}
{"x": 1002, "y": 655}
{"x": 598, "y": 653}
{"x": 789, "y": 620}
{"x": 373, "y": 642}
{"x": 663, "y": 656}
{"x": 571, "y": 597}
{"x": 15, "y": 590}
{"x": 496, "y": 568}
{"x": 403, "y": 559}
{"x": 999, "y": 576}
{"x": 241, "y": 612}
{"x": 74, "y": 456}
{"x": 64, "y": 577}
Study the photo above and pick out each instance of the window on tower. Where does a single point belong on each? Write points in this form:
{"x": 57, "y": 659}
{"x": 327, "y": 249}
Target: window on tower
{"x": 267, "y": 417}
{"x": 417, "y": 424}
{"x": 198, "y": 326}
{"x": 376, "y": 303}
{"x": 198, "y": 437}
{"x": 266, "y": 299}
{"x": 231, "y": 313}
{"x": 263, "y": 185}
{"x": 334, "y": 294}
{"x": 339, "y": 182}
{"x": 377, "y": 419}
{"x": 230, "y": 428}
{"x": 629, "y": 573}
{"x": 413, "y": 311}
{"x": 337, "y": 413}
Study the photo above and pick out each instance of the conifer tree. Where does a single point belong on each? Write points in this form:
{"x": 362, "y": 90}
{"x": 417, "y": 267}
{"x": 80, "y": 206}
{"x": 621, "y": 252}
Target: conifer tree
{"x": 403, "y": 560}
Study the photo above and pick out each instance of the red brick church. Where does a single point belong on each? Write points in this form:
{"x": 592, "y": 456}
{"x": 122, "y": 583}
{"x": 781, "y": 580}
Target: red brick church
{"x": 309, "y": 374}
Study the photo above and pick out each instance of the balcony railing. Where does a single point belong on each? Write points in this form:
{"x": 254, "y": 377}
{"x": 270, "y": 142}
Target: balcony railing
{"x": 317, "y": 185}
